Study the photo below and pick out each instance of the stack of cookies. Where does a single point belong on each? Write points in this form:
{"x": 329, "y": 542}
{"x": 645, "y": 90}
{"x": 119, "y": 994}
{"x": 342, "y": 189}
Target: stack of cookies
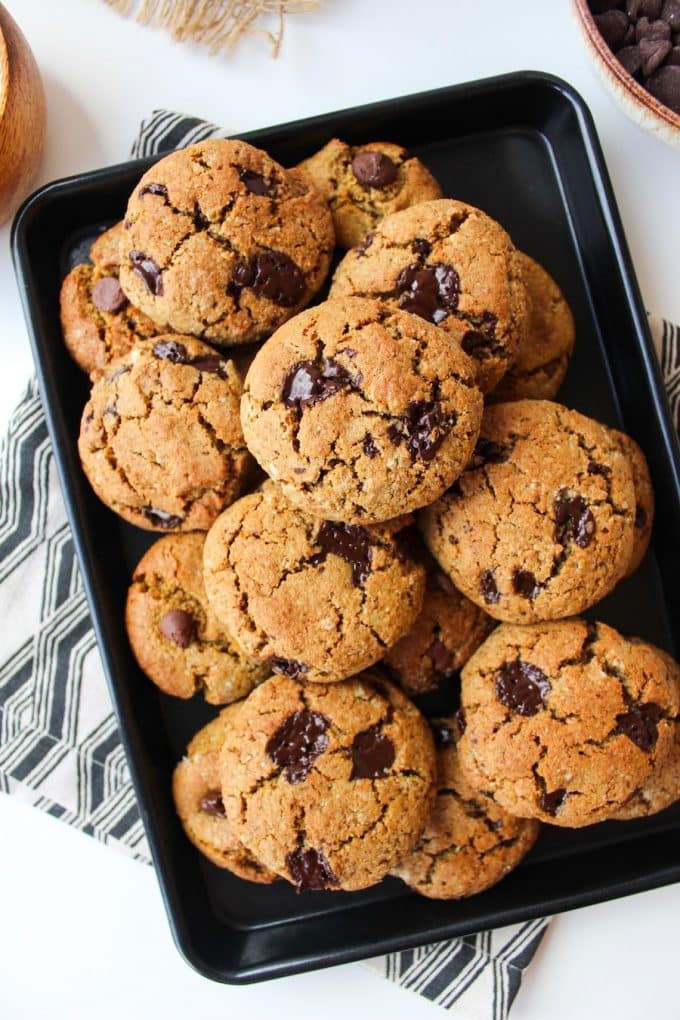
{"x": 353, "y": 495}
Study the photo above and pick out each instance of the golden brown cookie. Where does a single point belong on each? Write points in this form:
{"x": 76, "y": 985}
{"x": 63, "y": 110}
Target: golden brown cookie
{"x": 198, "y": 801}
{"x": 445, "y": 634}
{"x": 644, "y": 498}
{"x": 469, "y": 843}
{"x": 221, "y": 242}
{"x": 452, "y": 265}
{"x": 564, "y": 721}
{"x": 176, "y": 638}
{"x": 160, "y": 438}
{"x": 311, "y": 598}
{"x": 540, "y": 526}
{"x": 364, "y": 183}
{"x": 97, "y": 320}
{"x": 359, "y": 412}
{"x": 543, "y": 357}
{"x": 328, "y": 785}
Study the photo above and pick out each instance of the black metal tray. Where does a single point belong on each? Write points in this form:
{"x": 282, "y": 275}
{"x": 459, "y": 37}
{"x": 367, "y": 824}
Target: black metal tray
{"x": 523, "y": 148}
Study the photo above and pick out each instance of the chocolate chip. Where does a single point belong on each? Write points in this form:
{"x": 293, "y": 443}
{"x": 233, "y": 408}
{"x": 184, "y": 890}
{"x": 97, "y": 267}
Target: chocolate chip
{"x": 525, "y": 584}
{"x": 521, "y": 686}
{"x": 551, "y": 802}
{"x": 201, "y": 221}
{"x": 651, "y": 8}
{"x": 154, "y": 189}
{"x": 364, "y": 245}
{"x": 161, "y": 518}
{"x": 372, "y": 755}
{"x": 298, "y": 742}
{"x": 310, "y": 869}
{"x": 480, "y": 342}
{"x": 426, "y": 428}
{"x": 612, "y": 27}
{"x": 630, "y": 59}
{"x": 640, "y": 516}
{"x": 444, "y": 582}
{"x": 352, "y": 543}
{"x": 670, "y": 12}
{"x": 287, "y": 667}
{"x": 646, "y": 29}
{"x": 179, "y": 627}
{"x": 640, "y": 724}
{"x": 431, "y": 292}
{"x": 653, "y": 52}
{"x": 107, "y": 294}
{"x": 395, "y": 435}
{"x": 487, "y": 451}
{"x": 599, "y": 469}
{"x": 148, "y": 271}
{"x": 574, "y": 521}
{"x": 440, "y": 656}
{"x": 209, "y": 363}
{"x": 488, "y": 588}
{"x": 374, "y": 169}
{"x": 419, "y": 246}
{"x": 306, "y": 383}
{"x": 632, "y": 8}
{"x": 673, "y": 57}
{"x": 172, "y": 350}
{"x": 443, "y": 732}
{"x": 213, "y": 804}
{"x": 369, "y": 447}
{"x": 665, "y": 86}
{"x": 271, "y": 275}
{"x": 629, "y": 38}
{"x": 254, "y": 182}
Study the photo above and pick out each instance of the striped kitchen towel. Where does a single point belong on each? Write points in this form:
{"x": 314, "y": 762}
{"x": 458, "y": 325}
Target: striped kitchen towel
{"x": 59, "y": 744}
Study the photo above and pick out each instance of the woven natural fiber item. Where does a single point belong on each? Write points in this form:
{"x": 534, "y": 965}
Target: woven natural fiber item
{"x": 217, "y": 24}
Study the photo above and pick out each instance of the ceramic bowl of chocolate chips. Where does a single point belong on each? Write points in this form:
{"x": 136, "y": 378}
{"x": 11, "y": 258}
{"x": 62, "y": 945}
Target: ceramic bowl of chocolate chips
{"x": 635, "y": 46}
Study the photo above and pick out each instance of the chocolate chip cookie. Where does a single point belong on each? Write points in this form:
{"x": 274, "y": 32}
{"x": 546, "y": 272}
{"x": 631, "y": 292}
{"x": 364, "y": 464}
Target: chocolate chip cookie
{"x": 540, "y": 525}
{"x": 469, "y": 843}
{"x": 328, "y": 785}
{"x": 360, "y": 412}
{"x": 564, "y": 721}
{"x": 447, "y": 631}
{"x": 223, "y": 243}
{"x": 160, "y": 438}
{"x": 543, "y": 357}
{"x": 198, "y": 800}
{"x": 175, "y": 636}
{"x": 451, "y": 264}
{"x": 97, "y": 320}
{"x": 644, "y": 498}
{"x": 311, "y": 598}
{"x": 364, "y": 183}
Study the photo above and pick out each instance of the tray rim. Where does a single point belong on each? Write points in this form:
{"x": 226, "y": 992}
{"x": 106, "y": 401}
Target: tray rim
{"x": 32, "y": 206}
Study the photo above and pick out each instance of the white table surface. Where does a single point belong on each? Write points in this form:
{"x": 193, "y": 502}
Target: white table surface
{"x": 82, "y": 928}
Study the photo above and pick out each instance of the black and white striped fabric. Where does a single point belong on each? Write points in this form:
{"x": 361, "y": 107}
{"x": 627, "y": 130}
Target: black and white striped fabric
{"x": 59, "y": 745}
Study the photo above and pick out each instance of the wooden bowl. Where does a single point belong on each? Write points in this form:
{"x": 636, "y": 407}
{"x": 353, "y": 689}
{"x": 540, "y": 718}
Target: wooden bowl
{"x": 22, "y": 115}
{"x": 635, "y": 101}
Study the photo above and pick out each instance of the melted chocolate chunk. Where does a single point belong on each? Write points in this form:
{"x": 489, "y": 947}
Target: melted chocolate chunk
{"x": 419, "y": 246}
{"x": 488, "y": 588}
{"x": 161, "y": 518}
{"x": 443, "y": 732}
{"x": 395, "y": 435}
{"x": 551, "y": 802}
{"x": 574, "y": 521}
{"x": 440, "y": 656}
{"x": 374, "y": 169}
{"x": 298, "y": 742}
{"x": 443, "y": 581}
{"x": 271, "y": 275}
{"x": 306, "y": 383}
{"x": 107, "y": 295}
{"x": 310, "y": 869}
{"x": 179, "y": 627}
{"x": 595, "y": 468}
{"x": 287, "y": 667}
{"x": 201, "y": 221}
{"x": 369, "y": 447}
{"x": 352, "y": 543}
{"x": 213, "y": 804}
{"x": 480, "y": 342}
{"x": 148, "y": 271}
{"x": 209, "y": 363}
{"x": 364, "y": 245}
{"x": 487, "y": 451}
{"x": 431, "y": 292}
{"x": 640, "y": 724}
{"x": 522, "y": 686}
{"x": 172, "y": 350}
{"x": 426, "y": 428}
{"x": 372, "y": 755}
{"x": 254, "y": 182}
{"x": 154, "y": 189}
{"x": 640, "y": 516}
{"x": 525, "y": 584}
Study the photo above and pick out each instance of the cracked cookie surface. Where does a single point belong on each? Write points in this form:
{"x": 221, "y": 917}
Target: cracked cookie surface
{"x": 564, "y": 721}
{"x": 310, "y": 597}
{"x": 176, "y": 638}
{"x": 644, "y": 498}
{"x": 452, "y": 265}
{"x": 543, "y": 357}
{"x": 222, "y": 242}
{"x": 469, "y": 842}
{"x": 97, "y": 320}
{"x": 359, "y": 412}
{"x": 197, "y": 794}
{"x": 328, "y": 785}
{"x": 160, "y": 437}
{"x": 364, "y": 183}
{"x": 540, "y": 525}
